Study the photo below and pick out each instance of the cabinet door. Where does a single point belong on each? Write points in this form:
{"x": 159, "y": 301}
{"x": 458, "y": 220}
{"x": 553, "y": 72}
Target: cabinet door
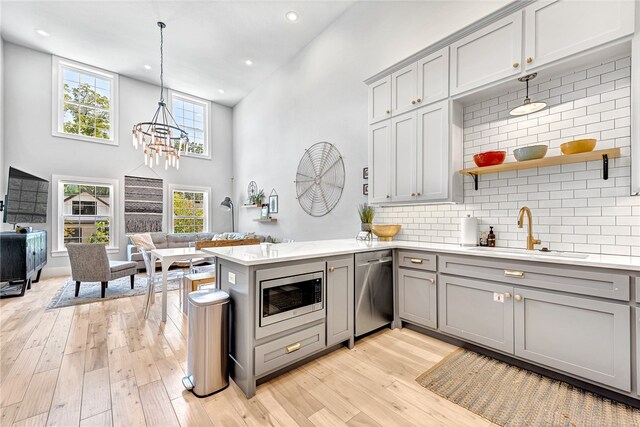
{"x": 403, "y": 155}
{"x": 417, "y": 295}
{"x": 380, "y": 162}
{"x": 380, "y": 100}
{"x": 557, "y": 29}
{"x": 487, "y": 55}
{"x": 581, "y": 336}
{"x": 433, "y": 152}
{"x": 404, "y": 89}
{"x": 637, "y": 310}
{"x": 339, "y": 300}
{"x": 433, "y": 77}
{"x": 468, "y": 309}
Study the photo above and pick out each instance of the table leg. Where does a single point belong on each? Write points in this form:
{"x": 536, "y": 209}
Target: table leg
{"x": 152, "y": 295}
{"x": 165, "y": 270}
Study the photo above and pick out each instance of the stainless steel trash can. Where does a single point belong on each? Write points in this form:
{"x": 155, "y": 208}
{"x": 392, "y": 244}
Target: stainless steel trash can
{"x": 208, "y": 359}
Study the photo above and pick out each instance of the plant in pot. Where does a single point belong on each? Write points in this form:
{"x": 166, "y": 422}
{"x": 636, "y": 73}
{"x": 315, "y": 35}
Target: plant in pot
{"x": 366, "y": 213}
{"x": 257, "y": 198}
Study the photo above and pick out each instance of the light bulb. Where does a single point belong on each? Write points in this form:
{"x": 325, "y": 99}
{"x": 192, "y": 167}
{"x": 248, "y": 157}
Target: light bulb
{"x": 146, "y": 160}
{"x": 151, "y": 163}
{"x": 166, "y": 164}
{"x": 178, "y": 164}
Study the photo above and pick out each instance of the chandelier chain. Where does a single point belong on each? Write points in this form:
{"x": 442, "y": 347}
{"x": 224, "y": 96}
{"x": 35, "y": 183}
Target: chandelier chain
{"x": 161, "y": 65}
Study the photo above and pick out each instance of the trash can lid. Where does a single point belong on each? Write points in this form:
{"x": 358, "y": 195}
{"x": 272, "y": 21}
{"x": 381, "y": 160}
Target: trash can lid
{"x": 208, "y": 297}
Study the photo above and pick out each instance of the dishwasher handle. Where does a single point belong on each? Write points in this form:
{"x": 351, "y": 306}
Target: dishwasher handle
{"x": 383, "y": 260}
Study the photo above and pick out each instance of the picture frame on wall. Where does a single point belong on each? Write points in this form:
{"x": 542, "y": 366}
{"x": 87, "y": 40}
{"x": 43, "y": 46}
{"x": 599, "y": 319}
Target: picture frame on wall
{"x": 365, "y": 189}
{"x": 264, "y": 212}
{"x": 365, "y": 173}
{"x": 273, "y": 202}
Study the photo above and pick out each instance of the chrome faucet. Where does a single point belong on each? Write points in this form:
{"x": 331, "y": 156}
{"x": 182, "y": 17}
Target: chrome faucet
{"x": 531, "y": 242}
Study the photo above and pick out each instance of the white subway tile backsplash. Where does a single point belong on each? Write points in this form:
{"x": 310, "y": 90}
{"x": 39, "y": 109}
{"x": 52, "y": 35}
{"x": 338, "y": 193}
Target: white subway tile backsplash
{"x": 574, "y": 209}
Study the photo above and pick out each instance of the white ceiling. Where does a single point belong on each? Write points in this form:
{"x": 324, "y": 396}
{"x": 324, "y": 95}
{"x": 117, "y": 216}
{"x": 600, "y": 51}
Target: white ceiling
{"x": 206, "y": 42}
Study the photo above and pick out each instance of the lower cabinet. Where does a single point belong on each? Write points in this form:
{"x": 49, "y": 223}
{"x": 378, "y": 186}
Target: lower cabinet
{"x": 468, "y": 309}
{"x": 417, "y": 297}
{"x": 637, "y": 310}
{"x": 339, "y": 300}
{"x": 581, "y": 336}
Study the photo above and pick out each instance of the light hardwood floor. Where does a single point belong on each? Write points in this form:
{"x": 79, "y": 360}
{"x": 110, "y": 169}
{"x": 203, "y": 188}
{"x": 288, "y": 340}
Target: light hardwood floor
{"x": 103, "y": 364}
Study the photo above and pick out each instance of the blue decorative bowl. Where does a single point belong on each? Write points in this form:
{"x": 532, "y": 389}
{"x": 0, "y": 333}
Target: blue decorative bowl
{"x": 531, "y": 152}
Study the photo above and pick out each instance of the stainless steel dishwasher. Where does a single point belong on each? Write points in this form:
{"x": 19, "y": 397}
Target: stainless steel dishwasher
{"x": 374, "y": 291}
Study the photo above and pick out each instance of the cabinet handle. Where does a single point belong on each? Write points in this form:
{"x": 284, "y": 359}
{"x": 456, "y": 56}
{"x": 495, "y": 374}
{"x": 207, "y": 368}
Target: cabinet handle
{"x": 518, "y": 297}
{"x": 512, "y": 273}
{"x": 331, "y": 269}
{"x": 516, "y": 64}
{"x": 418, "y": 100}
{"x": 432, "y": 280}
{"x": 388, "y": 196}
{"x": 507, "y": 295}
{"x": 293, "y": 347}
{"x": 413, "y": 102}
{"x": 388, "y": 112}
{"x": 529, "y": 60}
{"x": 416, "y": 261}
{"x": 413, "y": 194}
{"x": 418, "y": 194}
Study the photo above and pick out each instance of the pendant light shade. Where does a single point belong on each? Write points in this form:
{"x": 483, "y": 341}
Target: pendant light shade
{"x": 161, "y": 137}
{"x": 527, "y": 106}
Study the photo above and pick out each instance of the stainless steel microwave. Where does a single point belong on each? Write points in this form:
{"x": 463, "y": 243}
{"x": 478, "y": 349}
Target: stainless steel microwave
{"x": 289, "y": 297}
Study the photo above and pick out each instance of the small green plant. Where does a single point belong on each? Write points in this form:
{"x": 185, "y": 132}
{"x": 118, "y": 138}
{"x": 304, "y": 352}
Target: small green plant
{"x": 257, "y": 198}
{"x": 366, "y": 213}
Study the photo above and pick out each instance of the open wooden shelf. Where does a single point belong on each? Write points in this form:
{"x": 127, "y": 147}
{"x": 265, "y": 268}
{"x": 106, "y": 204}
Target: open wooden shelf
{"x": 604, "y": 155}
{"x": 266, "y": 220}
{"x": 250, "y": 206}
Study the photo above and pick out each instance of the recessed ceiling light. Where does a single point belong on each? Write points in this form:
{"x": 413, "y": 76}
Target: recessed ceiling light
{"x": 292, "y": 15}
{"x": 248, "y": 62}
{"x": 221, "y": 90}
{"x": 147, "y": 67}
{"x": 43, "y": 33}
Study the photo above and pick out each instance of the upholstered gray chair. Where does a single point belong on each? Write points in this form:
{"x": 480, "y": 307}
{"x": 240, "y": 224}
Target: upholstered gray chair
{"x": 90, "y": 263}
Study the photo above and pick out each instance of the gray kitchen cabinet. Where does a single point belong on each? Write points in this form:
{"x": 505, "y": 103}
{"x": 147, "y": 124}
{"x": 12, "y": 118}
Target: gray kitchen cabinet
{"x": 581, "y": 336}
{"x": 417, "y": 297}
{"x": 476, "y": 311}
{"x": 340, "y": 300}
{"x": 637, "y": 311}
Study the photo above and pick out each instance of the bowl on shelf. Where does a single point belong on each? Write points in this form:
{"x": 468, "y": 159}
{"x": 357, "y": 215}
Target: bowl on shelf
{"x": 385, "y": 232}
{"x": 531, "y": 152}
{"x": 578, "y": 146}
{"x": 489, "y": 158}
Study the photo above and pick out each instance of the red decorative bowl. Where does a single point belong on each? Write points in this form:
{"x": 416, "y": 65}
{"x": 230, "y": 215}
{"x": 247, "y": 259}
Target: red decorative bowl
{"x": 489, "y": 158}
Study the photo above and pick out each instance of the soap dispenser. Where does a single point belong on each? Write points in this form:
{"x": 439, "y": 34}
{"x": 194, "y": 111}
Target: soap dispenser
{"x": 491, "y": 239}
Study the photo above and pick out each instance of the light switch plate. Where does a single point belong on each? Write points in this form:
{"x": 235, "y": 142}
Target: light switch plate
{"x": 232, "y": 278}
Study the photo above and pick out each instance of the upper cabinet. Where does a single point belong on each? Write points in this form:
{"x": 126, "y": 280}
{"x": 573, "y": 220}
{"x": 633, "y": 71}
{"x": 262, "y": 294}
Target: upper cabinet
{"x": 432, "y": 152}
{"x": 433, "y": 77}
{"x": 487, "y": 55}
{"x": 404, "y": 89}
{"x": 379, "y": 162}
{"x": 380, "y": 100}
{"x": 557, "y": 29}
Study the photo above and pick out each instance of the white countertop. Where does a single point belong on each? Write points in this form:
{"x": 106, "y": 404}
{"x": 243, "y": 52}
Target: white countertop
{"x": 271, "y": 253}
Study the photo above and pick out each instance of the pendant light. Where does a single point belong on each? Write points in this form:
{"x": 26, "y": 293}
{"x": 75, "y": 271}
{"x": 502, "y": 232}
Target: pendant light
{"x": 527, "y": 106}
{"x": 161, "y": 138}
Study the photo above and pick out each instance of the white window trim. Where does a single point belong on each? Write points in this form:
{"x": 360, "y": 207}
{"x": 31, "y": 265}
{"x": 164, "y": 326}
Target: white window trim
{"x": 57, "y": 109}
{"x": 206, "y": 104}
{"x": 57, "y": 243}
{"x": 207, "y": 197}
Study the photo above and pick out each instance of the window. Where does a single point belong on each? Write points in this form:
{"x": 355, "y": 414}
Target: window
{"x": 85, "y": 212}
{"x": 189, "y": 209}
{"x": 84, "y": 102}
{"x": 192, "y": 115}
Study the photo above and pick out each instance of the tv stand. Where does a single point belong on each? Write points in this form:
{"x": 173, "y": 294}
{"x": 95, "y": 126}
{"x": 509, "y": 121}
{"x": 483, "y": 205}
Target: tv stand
{"x": 22, "y": 257}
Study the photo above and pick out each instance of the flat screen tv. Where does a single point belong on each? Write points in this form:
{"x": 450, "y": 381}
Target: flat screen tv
{"x": 26, "y": 198}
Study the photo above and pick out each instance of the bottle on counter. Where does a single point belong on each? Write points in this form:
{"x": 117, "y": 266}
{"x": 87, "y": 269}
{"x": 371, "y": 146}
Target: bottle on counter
{"x": 491, "y": 238}
{"x": 483, "y": 238}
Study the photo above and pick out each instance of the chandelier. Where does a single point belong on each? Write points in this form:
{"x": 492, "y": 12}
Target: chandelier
{"x": 161, "y": 138}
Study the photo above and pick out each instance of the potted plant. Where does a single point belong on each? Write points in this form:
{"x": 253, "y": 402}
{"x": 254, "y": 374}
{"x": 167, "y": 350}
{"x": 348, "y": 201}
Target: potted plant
{"x": 366, "y": 213}
{"x": 257, "y": 198}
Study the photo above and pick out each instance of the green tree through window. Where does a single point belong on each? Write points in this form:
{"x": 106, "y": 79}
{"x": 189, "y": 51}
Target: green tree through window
{"x": 188, "y": 212}
{"x": 87, "y": 107}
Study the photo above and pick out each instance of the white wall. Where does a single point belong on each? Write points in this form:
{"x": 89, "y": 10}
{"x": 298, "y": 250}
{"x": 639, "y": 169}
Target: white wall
{"x": 573, "y": 208}
{"x": 31, "y": 147}
{"x": 320, "y": 96}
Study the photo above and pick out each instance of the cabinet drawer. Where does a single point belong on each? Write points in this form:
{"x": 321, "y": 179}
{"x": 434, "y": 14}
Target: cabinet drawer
{"x": 283, "y": 351}
{"x": 599, "y": 283}
{"x": 581, "y": 336}
{"x": 419, "y": 260}
{"x": 468, "y": 309}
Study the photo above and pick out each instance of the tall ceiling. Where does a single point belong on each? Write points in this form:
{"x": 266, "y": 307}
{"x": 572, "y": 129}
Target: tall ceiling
{"x": 207, "y": 43}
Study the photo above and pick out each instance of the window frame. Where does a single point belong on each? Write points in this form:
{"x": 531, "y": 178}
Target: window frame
{"x": 206, "y": 120}
{"x": 57, "y": 100}
{"x": 57, "y": 244}
{"x": 193, "y": 189}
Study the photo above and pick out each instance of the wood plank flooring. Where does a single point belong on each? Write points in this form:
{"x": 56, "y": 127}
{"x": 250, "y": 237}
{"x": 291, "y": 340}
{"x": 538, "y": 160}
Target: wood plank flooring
{"x": 103, "y": 364}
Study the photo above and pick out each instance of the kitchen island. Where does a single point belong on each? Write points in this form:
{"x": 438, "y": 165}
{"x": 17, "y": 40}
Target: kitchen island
{"x": 548, "y": 309}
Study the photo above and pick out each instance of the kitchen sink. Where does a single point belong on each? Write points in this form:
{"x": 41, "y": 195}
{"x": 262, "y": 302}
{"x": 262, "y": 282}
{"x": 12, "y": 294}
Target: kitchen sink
{"x": 532, "y": 254}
